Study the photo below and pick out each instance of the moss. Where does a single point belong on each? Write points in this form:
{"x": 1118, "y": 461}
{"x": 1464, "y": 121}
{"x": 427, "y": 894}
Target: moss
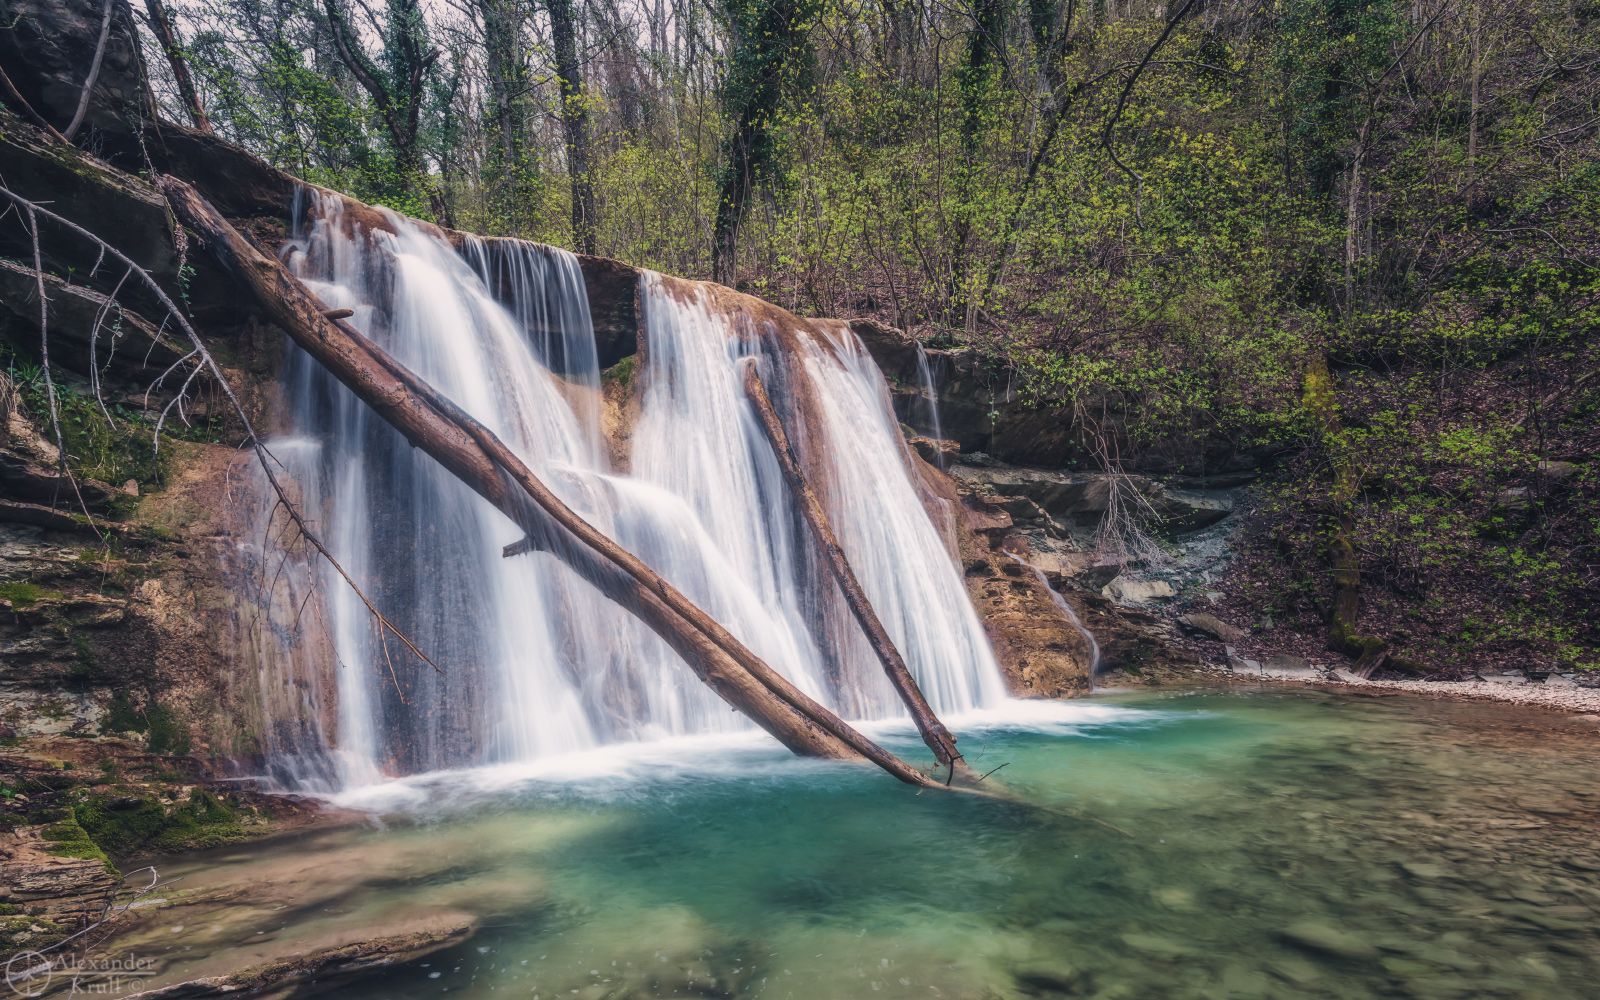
{"x": 167, "y": 734}
{"x": 1342, "y": 640}
{"x": 66, "y": 838}
{"x": 22, "y": 595}
{"x": 622, "y": 372}
{"x": 32, "y": 932}
{"x": 122, "y": 824}
{"x": 122, "y": 717}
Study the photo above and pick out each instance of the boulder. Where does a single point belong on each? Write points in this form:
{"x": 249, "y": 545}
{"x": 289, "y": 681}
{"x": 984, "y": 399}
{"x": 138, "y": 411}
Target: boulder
{"x": 1212, "y": 626}
{"x": 1239, "y": 664}
{"x": 1556, "y": 472}
{"x": 1282, "y": 665}
{"x": 1128, "y": 590}
{"x": 47, "y": 48}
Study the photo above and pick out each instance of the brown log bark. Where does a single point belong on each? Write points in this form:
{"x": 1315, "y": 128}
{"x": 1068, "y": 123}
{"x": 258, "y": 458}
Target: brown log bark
{"x": 934, "y": 733}
{"x": 475, "y": 456}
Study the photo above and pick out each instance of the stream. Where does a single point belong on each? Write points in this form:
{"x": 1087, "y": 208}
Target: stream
{"x": 1184, "y": 844}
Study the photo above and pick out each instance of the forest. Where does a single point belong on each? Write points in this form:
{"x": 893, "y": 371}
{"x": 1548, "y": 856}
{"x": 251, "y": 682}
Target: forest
{"x": 1350, "y": 240}
{"x": 629, "y": 499}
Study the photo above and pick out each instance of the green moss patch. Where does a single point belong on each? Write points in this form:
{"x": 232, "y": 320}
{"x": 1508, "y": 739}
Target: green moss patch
{"x": 122, "y": 824}
{"x": 621, "y": 372}
{"x": 164, "y": 732}
{"x": 66, "y": 838}
{"x": 22, "y": 595}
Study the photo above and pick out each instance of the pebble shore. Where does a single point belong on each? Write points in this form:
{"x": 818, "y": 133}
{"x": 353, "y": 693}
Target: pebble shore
{"x": 1562, "y": 697}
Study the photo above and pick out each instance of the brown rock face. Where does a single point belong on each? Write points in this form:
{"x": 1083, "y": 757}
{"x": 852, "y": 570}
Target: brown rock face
{"x": 55, "y": 40}
{"x": 57, "y": 895}
{"x": 1039, "y": 650}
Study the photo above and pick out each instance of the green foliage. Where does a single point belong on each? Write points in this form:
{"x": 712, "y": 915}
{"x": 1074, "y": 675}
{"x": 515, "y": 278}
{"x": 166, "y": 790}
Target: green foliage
{"x": 167, "y": 733}
{"x": 107, "y": 441}
{"x": 164, "y": 731}
{"x": 622, "y": 372}
{"x": 122, "y": 717}
{"x": 1157, "y": 260}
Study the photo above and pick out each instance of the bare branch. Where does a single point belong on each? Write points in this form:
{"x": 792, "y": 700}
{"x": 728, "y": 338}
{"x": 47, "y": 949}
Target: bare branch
{"x": 94, "y": 74}
{"x": 263, "y": 455}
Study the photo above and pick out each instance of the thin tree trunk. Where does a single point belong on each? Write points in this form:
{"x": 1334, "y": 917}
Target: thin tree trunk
{"x": 575, "y": 123}
{"x": 94, "y": 74}
{"x": 934, "y": 733}
{"x": 1352, "y": 227}
{"x": 474, "y": 455}
{"x": 1475, "y": 71}
{"x": 166, "y": 33}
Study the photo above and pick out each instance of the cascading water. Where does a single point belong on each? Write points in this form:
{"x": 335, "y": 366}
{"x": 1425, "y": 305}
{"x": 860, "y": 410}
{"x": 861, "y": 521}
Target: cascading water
{"x": 930, "y": 393}
{"x": 532, "y": 660}
{"x": 1066, "y": 609}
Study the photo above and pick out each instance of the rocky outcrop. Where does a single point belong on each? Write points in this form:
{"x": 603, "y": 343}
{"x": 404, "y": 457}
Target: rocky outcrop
{"x": 977, "y": 406}
{"x": 327, "y": 967}
{"x": 982, "y": 408}
{"x": 1083, "y": 499}
{"x": 55, "y": 40}
{"x": 1040, "y": 650}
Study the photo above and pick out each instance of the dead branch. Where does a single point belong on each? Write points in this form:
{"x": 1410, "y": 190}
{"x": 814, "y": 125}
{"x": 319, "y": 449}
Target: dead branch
{"x": 934, "y": 733}
{"x": 94, "y": 74}
{"x": 480, "y": 460}
{"x": 263, "y": 456}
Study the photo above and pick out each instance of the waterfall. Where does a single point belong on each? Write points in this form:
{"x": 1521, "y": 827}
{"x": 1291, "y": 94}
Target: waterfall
{"x": 532, "y": 661}
{"x": 931, "y": 394}
{"x": 1066, "y": 609}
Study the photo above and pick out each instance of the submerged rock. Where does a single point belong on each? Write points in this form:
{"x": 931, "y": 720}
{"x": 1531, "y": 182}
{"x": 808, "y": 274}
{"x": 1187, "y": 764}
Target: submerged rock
{"x": 1325, "y": 939}
{"x": 1282, "y": 665}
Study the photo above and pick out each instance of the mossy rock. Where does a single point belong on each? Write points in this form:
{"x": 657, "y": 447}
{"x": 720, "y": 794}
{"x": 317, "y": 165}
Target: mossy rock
{"x": 22, "y": 595}
{"x": 122, "y": 717}
{"x": 123, "y": 824}
{"x": 167, "y": 734}
{"x": 19, "y": 931}
{"x": 164, "y": 732}
{"x": 66, "y": 838}
{"x": 621, "y": 372}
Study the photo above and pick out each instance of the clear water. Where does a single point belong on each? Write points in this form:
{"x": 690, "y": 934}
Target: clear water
{"x": 1188, "y": 845}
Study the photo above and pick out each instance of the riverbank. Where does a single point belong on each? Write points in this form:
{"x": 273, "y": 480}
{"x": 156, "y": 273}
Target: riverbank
{"x": 1562, "y": 697}
{"x": 1557, "y": 693}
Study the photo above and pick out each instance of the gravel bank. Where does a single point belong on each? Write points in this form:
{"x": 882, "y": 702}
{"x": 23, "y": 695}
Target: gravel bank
{"x": 1562, "y": 697}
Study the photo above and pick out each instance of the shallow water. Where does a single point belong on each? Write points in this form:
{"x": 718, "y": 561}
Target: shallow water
{"x": 1184, "y": 845}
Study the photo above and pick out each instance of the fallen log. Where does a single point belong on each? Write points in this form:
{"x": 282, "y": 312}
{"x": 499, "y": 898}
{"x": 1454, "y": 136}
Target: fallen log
{"x": 934, "y": 733}
{"x": 474, "y": 455}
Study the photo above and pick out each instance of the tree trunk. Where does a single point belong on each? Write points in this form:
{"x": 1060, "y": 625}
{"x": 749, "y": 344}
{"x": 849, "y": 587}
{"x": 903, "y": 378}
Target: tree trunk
{"x": 934, "y": 733}
{"x": 167, "y": 35}
{"x": 474, "y": 455}
{"x": 506, "y": 73}
{"x": 1475, "y": 73}
{"x": 1344, "y": 562}
{"x": 575, "y": 123}
{"x": 771, "y": 49}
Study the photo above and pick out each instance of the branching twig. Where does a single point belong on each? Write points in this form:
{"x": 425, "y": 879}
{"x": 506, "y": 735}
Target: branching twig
{"x": 263, "y": 455}
{"x": 1127, "y": 91}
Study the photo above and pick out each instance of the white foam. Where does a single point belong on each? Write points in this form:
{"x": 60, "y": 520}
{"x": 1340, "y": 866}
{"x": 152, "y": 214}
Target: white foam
{"x": 622, "y": 769}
